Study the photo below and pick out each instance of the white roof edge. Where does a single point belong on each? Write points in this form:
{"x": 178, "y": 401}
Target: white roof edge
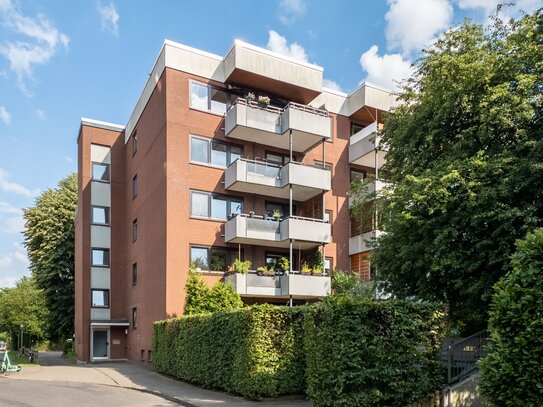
{"x": 334, "y": 92}
{"x": 274, "y": 54}
{"x": 101, "y": 125}
{"x": 370, "y": 85}
{"x": 191, "y": 49}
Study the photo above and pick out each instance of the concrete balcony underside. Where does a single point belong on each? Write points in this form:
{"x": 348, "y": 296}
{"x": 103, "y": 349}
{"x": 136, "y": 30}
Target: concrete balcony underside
{"x": 364, "y": 148}
{"x": 296, "y": 285}
{"x": 269, "y": 180}
{"x": 306, "y": 233}
{"x": 271, "y": 126}
{"x": 362, "y": 243}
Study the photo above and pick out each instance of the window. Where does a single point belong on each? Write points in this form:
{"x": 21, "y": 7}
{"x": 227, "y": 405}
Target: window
{"x": 206, "y": 97}
{"x": 134, "y": 230}
{"x": 134, "y": 143}
{"x": 149, "y": 356}
{"x": 278, "y": 159}
{"x": 273, "y": 260}
{"x": 100, "y": 298}
{"x": 328, "y": 263}
{"x": 134, "y": 318}
{"x": 214, "y": 206}
{"x": 135, "y": 186}
{"x": 282, "y": 209}
{"x": 355, "y": 128}
{"x": 328, "y": 218}
{"x": 213, "y": 258}
{"x": 100, "y": 172}
{"x": 134, "y": 274}
{"x": 211, "y": 152}
{"x": 100, "y": 215}
{"x": 327, "y": 166}
{"x": 100, "y": 257}
{"x": 357, "y": 175}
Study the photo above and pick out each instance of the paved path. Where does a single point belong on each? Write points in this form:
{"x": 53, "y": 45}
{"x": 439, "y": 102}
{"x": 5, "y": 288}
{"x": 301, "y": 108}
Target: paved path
{"x": 138, "y": 377}
{"x": 39, "y": 393}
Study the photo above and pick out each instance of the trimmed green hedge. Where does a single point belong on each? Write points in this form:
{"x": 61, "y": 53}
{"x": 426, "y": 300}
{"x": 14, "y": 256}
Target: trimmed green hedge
{"x": 255, "y": 352}
{"x": 359, "y": 352}
{"x": 364, "y": 352}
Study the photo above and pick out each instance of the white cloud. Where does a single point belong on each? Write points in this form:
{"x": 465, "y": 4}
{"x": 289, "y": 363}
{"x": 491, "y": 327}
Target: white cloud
{"x": 8, "y": 282}
{"x": 40, "y": 113}
{"x": 9, "y": 186}
{"x": 110, "y": 17}
{"x": 290, "y": 10}
{"x": 5, "y": 116}
{"x": 42, "y": 40}
{"x": 385, "y": 70}
{"x": 278, "y": 43}
{"x": 412, "y": 24}
{"x": 15, "y": 224}
{"x": 330, "y": 84}
{"x": 7, "y": 208}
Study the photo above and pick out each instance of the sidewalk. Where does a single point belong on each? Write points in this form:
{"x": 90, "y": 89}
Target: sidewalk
{"x": 139, "y": 377}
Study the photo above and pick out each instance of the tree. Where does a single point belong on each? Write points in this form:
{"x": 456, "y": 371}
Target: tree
{"x": 49, "y": 239}
{"x": 200, "y": 298}
{"x": 24, "y": 304}
{"x": 344, "y": 283}
{"x": 465, "y": 148}
{"x": 511, "y": 371}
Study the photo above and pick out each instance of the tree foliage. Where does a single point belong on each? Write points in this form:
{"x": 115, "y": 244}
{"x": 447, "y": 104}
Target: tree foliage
{"x": 345, "y": 283}
{"x": 49, "y": 240}
{"x": 23, "y": 304}
{"x": 511, "y": 372}
{"x": 200, "y": 298}
{"x": 465, "y": 163}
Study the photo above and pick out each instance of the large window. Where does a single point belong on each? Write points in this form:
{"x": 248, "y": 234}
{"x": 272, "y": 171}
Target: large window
{"x": 211, "y": 152}
{"x": 278, "y": 211}
{"x": 212, "y": 258}
{"x": 100, "y": 298}
{"x": 100, "y": 215}
{"x": 100, "y": 172}
{"x": 100, "y": 257}
{"x": 204, "y": 204}
{"x": 206, "y": 97}
{"x": 278, "y": 159}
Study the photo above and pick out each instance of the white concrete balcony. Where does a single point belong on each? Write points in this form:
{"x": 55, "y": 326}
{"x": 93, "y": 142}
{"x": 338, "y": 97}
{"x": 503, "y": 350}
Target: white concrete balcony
{"x": 262, "y": 178}
{"x": 373, "y": 187}
{"x": 296, "y": 285}
{"x": 268, "y": 125}
{"x": 259, "y": 68}
{"x": 261, "y": 231}
{"x": 362, "y": 243}
{"x": 364, "y": 148}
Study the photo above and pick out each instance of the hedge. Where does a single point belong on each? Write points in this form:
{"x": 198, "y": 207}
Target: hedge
{"x": 363, "y": 352}
{"x": 345, "y": 351}
{"x": 255, "y": 352}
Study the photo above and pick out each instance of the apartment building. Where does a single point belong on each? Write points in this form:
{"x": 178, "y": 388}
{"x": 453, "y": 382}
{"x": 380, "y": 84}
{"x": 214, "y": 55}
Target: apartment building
{"x": 243, "y": 156}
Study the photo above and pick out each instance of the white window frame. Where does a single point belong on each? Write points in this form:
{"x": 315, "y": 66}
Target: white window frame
{"x": 210, "y": 142}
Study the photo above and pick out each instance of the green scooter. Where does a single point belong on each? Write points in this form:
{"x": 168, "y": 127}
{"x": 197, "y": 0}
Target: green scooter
{"x": 6, "y": 364}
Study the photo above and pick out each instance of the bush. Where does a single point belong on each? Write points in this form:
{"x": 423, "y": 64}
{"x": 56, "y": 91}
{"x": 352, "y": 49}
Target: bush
{"x": 255, "y": 352}
{"x": 362, "y": 352}
{"x": 200, "y": 298}
{"x": 345, "y": 283}
{"x": 512, "y": 370}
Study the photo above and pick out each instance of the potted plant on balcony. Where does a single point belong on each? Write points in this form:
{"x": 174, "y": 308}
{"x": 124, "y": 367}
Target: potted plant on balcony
{"x": 306, "y": 269}
{"x": 265, "y": 271}
{"x": 285, "y": 264}
{"x": 242, "y": 267}
{"x": 263, "y": 101}
{"x": 317, "y": 262}
{"x": 251, "y": 214}
{"x": 250, "y": 97}
{"x": 277, "y": 214}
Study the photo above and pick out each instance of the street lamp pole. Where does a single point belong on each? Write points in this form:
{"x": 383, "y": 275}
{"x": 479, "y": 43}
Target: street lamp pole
{"x": 21, "y": 337}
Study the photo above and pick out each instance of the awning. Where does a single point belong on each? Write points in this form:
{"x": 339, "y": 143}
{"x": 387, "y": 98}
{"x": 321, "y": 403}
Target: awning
{"x": 110, "y": 322}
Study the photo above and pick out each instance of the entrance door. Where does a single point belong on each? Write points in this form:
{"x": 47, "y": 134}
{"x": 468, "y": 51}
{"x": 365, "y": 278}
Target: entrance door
{"x": 100, "y": 344}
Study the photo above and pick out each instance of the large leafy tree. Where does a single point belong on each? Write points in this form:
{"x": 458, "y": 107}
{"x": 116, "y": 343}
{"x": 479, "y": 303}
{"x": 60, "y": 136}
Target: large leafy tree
{"x": 465, "y": 161}
{"x": 49, "y": 239}
{"x": 23, "y": 304}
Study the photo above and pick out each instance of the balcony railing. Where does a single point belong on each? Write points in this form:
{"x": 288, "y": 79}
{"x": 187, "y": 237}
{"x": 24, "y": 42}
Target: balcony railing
{"x": 296, "y": 285}
{"x": 363, "y": 242}
{"x": 270, "y": 125}
{"x": 266, "y": 231}
{"x": 365, "y": 148}
{"x": 263, "y": 178}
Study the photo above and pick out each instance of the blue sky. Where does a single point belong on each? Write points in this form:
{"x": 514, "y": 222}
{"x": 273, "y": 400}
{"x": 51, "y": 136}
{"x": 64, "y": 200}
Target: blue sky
{"x": 61, "y": 60}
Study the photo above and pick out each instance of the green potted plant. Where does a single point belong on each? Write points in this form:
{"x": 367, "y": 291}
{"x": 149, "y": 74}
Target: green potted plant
{"x": 285, "y": 264}
{"x": 251, "y": 214}
{"x": 306, "y": 269}
{"x": 277, "y": 214}
{"x": 250, "y": 97}
{"x": 242, "y": 267}
{"x": 263, "y": 101}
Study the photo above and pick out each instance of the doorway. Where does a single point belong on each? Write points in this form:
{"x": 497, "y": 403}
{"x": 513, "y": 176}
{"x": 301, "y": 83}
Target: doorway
{"x": 100, "y": 344}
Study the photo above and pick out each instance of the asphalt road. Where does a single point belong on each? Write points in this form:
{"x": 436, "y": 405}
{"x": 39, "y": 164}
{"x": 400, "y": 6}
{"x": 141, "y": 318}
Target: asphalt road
{"x": 36, "y": 393}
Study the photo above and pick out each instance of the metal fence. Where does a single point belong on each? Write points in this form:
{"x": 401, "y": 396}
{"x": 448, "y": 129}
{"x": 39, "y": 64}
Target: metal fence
{"x": 461, "y": 355}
